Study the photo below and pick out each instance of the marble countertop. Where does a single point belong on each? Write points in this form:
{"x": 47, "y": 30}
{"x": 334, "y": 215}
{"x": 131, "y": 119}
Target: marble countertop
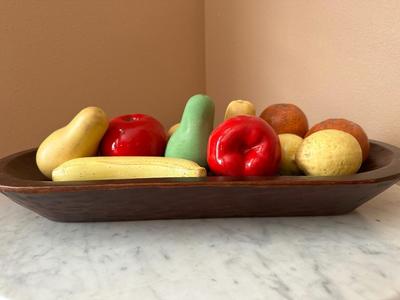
{"x": 355, "y": 256}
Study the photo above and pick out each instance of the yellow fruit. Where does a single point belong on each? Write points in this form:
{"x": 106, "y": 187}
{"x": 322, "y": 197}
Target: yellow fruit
{"x": 239, "y": 107}
{"x": 80, "y": 138}
{"x": 329, "y": 152}
{"x": 172, "y": 129}
{"x": 289, "y": 146}
{"x": 126, "y": 167}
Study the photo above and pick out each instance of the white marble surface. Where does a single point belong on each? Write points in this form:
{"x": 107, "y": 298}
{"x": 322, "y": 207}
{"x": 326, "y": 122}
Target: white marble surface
{"x": 355, "y": 256}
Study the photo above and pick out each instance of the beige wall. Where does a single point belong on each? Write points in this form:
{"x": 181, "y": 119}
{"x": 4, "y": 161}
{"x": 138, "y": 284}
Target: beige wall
{"x": 332, "y": 58}
{"x": 57, "y": 57}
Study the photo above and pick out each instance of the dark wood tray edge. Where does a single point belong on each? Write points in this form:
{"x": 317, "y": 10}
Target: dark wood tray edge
{"x": 10, "y": 184}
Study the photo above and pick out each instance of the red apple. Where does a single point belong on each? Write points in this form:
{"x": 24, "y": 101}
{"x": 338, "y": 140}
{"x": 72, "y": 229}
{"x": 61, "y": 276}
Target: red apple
{"x": 134, "y": 135}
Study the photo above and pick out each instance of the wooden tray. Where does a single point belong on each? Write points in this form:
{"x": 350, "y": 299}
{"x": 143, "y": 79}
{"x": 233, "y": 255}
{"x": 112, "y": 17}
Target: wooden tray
{"x": 210, "y": 197}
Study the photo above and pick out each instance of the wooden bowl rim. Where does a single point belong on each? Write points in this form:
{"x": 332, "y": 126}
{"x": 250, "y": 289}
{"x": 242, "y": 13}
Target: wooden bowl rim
{"x": 11, "y": 184}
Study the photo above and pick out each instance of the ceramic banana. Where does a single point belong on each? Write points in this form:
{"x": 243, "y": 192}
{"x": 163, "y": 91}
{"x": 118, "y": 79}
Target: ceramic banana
{"x": 126, "y": 167}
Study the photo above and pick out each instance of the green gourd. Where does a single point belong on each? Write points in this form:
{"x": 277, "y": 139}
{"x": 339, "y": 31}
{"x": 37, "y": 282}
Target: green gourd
{"x": 190, "y": 140}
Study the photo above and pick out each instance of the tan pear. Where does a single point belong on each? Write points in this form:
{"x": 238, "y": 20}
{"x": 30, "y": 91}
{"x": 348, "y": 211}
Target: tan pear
{"x": 239, "y": 107}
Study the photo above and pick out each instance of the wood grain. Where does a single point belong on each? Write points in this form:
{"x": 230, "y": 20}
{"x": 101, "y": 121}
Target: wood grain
{"x": 210, "y": 197}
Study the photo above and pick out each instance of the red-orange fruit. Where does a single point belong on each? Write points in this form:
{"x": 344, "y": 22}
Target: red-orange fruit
{"x": 286, "y": 118}
{"x": 346, "y": 126}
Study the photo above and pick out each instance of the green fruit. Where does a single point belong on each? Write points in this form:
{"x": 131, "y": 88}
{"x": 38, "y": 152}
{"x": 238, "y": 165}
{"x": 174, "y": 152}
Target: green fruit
{"x": 190, "y": 140}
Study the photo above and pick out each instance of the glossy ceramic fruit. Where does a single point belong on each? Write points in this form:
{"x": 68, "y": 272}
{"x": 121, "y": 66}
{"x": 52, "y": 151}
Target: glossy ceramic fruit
{"x": 346, "y": 126}
{"x": 286, "y": 118}
{"x": 244, "y": 146}
{"x": 134, "y": 135}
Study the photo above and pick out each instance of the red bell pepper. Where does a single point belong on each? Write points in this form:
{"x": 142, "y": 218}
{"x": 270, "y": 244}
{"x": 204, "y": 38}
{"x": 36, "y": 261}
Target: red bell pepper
{"x": 244, "y": 146}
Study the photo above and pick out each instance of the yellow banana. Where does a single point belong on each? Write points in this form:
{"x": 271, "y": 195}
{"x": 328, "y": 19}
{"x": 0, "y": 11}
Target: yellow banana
{"x": 126, "y": 167}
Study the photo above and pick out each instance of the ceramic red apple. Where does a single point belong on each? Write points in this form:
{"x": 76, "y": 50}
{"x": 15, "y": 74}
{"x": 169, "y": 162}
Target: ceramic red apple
{"x": 134, "y": 135}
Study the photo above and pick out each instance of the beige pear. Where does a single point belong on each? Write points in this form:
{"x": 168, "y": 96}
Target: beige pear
{"x": 79, "y": 138}
{"x": 239, "y": 107}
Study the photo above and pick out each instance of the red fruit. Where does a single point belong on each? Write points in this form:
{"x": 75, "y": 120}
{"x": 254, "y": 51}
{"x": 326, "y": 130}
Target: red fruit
{"x": 244, "y": 146}
{"x": 134, "y": 135}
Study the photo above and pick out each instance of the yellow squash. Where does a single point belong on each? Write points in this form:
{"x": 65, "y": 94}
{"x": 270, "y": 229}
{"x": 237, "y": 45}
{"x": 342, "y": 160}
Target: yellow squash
{"x": 80, "y": 138}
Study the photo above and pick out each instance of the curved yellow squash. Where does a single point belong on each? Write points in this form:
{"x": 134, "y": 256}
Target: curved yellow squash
{"x": 80, "y": 138}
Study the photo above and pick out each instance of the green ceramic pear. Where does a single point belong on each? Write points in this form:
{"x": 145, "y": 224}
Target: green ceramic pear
{"x": 190, "y": 140}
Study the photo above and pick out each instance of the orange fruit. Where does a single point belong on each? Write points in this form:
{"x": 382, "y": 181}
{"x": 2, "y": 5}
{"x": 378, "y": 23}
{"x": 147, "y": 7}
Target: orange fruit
{"x": 286, "y": 118}
{"x": 346, "y": 126}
